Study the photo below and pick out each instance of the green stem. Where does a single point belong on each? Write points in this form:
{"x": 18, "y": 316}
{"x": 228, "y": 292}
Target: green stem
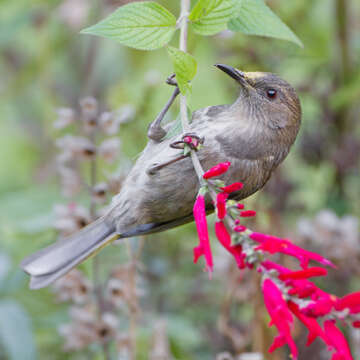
{"x": 185, "y": 8}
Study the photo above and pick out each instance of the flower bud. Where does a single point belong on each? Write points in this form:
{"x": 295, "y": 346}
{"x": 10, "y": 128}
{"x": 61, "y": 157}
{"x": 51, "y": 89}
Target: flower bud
{"x": 109, "y": 149}
{"x": 89, "y": 111}
{"x": 65, "y": 117}
{"x": 108, "y": 123}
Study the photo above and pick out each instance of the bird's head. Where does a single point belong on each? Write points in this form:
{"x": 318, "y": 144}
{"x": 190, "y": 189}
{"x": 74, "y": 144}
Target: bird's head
{"x": 267, "y": 97}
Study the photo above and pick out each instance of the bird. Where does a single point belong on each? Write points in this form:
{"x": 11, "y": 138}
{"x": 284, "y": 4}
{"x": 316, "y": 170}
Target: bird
{"x": 254, "y": 133}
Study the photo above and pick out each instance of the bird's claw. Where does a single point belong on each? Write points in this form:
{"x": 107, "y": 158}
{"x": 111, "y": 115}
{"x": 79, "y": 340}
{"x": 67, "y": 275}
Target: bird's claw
{"x": 156, "y": 167}
{"x": 192, "y": 140}
{"x": 171, "y": 80}
{"x": 155, "y": 131}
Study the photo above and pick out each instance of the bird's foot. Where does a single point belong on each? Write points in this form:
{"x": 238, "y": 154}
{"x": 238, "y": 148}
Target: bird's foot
{"x": 192, "y": 140}
{"x": 156, "y": 167}
{"x": 171, "y": 80}
{"x": 155, "y": 131}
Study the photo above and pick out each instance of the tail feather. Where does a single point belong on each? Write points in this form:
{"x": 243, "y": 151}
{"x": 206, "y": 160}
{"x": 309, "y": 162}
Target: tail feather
{"x": 47, "y": 265}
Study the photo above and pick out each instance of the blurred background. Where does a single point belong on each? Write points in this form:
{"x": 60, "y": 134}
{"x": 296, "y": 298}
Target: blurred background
{"x": 145, "y": 299}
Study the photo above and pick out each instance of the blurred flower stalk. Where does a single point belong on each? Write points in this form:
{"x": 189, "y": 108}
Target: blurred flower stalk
{"x": 98, "y": 305}
{"x": 287, "y": 293}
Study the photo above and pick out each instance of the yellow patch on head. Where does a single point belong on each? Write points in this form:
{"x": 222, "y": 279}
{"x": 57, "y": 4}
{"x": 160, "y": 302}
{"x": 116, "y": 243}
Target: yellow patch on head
{"x": 254, "y": 75}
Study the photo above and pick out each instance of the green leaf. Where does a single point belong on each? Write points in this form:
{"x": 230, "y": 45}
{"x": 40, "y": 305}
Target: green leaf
{"x": 15, "y": 332}
{"x": 141, "y": 25}
{"x": 184, "y": 67}
{"x": 255, "y": 18}
{"x": 175, "y": 128}
{"x": 209, "y": 17}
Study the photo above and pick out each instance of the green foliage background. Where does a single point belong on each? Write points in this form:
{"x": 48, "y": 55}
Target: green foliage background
{"x": 45, "y": 63}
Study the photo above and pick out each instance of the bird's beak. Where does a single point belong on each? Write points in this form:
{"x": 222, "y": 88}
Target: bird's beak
{"x": 236, "y": 74}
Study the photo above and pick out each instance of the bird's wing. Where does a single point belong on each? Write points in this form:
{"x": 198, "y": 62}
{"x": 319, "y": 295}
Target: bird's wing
{"x": 154, "y": 205}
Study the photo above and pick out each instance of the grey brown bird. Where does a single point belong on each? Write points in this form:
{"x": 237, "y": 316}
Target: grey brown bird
{"x": 254, "y": 133}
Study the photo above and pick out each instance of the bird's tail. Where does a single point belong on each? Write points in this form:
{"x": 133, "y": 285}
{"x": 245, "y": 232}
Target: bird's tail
{"x": 47, "y": 265}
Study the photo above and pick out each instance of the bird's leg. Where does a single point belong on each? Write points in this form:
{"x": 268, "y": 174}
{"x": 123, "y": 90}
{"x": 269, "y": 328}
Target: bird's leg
{"x": 155, "y": 168}
{"x": 155, "y": 131}
{"x": 192, "y": 141}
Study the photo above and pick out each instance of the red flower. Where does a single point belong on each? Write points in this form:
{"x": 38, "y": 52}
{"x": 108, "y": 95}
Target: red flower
{"x": 280, "y": 316}
{"x": 303, "y": 274}
{"x": 201, "y": 225}
{"x": 221, "y": 205}
{"x": 240, "y": 206}
{"x": 247, "y": 213}
{"x": 191, "y": 141}
{"x": 270, "y": 265}
{"x": 225, "y": 240}
{"x": 302, "y": 288}
{"x": 356, "y": 324}
{"x": 322, "y": 305}
{"x": 240, "y": 228}
{"x": 273, "y": 244}
{"x": 236, "y": 186}
{"x": 351, "y": 301}
{"x": 217, "y": 170}
{"x": 314, "y": 328}
{"x": 337, "y": 341}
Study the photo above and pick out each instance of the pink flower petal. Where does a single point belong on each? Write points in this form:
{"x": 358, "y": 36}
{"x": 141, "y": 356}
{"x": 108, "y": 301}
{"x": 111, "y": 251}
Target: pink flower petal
{"x": 304, "y": 274}
{"x": 217, "y": 170}
{"x": 221, "y": 205}
{"x": 240, "y": 228}
{"x": 351, "y": 301}
{"x": 273, "y": 244}
{"x": 321, "y": 306}
{"x": 247, "y": 213}
{"x": 225, "y": 240}
{"x": 280, "y": 316}
{"x": 236, "y": 186}
{"x": 201, "y": 225}
{"x": 314, "y": 328}
{"x": 337, "y": 341}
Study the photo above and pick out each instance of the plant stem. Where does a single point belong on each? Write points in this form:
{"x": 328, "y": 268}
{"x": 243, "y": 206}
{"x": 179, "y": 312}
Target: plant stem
{"x": 95, "y": 261}
{"x": 133, "y": 304}
{"x": 185, "y": 8}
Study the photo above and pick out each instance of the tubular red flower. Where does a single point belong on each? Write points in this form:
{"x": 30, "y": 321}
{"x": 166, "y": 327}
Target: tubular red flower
{"x": 201, "y": 225}
{"x": 273, "y": 244}
{"x": 247, "y": 213}
{"x": 236, "y": 186}
{"x": 240, "y": 206}
{"x": 304, "y": 274}
{"x": 302, "y": 288}
{"x": 221, "y": 205}
{"x": 225, "y": 240}
{"x": 270, "y": 265}
{"x": 356, "y": 324}
{"x": 351, "y": 301}
{"x": 217, "y": 170}
{"x": 312, "y": 325}
{"x": 191, "y": 141}
{"x": 322, "y": 305}
{"x": 240, "y": 228}
{"x": 280, "y": 316}
{"x": 337, "y": 341}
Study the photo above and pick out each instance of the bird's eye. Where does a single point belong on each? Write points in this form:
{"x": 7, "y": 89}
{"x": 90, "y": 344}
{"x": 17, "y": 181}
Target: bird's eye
{"x": 271, "y": 93}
